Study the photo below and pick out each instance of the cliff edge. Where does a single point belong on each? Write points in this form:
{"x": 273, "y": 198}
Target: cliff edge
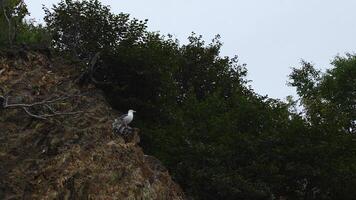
{"x": 57, "y": 141}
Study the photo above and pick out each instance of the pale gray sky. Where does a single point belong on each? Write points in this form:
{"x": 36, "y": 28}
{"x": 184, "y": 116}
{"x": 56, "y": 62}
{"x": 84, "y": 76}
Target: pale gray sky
{"x": 269, "y": 36}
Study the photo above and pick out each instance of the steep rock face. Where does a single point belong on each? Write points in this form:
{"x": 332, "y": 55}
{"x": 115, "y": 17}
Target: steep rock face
{"x": 73, "y": 155}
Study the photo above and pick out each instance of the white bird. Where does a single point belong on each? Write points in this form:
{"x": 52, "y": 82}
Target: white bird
{"x": 127, "y": 118}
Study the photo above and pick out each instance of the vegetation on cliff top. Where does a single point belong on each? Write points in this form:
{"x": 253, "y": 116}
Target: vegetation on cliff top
{"x": 218, "y": 138}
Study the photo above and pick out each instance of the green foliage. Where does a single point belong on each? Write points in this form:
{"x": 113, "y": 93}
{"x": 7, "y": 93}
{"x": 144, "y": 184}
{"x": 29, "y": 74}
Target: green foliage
{"x": 204, "y": 71}
{"x": 141, "y": 76}
{"x": 329, "y": 98}
{"x": 220, "y": 146}
{"x": 83, "y": 28}
{"x": 15, "y": 30}
{"x": 32, "y": 34}
{"x": 219, "y": 139}
{"x": 133, "y": 62}
{"x": 329, "y": 106}
{"x": 11, "y": 16}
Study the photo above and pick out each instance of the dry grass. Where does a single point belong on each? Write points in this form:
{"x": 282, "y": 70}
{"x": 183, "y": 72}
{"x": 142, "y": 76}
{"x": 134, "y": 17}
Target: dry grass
{"x": 68, "y": 156}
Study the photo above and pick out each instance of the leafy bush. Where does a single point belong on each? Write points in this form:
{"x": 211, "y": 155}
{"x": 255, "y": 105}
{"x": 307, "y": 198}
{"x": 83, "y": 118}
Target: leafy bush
{"x": 329, "y": 98}
{"x": 32, "y": 34}
{"x": 218, "y": 137}
{"x": 83, "y": 28}
{"x": 11, "y": 16}
{"x": 15, "y": 30}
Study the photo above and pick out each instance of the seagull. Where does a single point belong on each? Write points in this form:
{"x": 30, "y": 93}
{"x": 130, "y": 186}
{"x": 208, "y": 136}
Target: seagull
{"x": 127, "y": 118}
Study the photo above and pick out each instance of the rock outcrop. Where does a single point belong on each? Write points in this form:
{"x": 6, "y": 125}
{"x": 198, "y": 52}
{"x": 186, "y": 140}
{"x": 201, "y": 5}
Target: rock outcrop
{"x": 73, "y": 154}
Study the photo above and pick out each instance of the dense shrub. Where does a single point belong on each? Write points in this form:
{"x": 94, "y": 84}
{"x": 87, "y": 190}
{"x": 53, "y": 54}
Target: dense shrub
{"x": 15, "y": 30}
{"x": 83, "y": 28}
{"x": 198, "y": 114}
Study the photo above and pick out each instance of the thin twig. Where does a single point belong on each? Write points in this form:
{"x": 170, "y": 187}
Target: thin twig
{"x": 93, "y": 67}
{"x": 45, "y": 116}
{"x": 8, "y": 22}
{"x": 35, "y": 103}
{"x": 50, "y": 108}
{"x": 1, "y": 71}
{"x": 45, "y": 103}
{"x": 31, "y": 114}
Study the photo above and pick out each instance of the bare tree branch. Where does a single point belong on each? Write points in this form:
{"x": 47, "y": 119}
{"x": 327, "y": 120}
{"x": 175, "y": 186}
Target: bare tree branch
{"x": 90, "y": 71}
{"x": 45, "y": 103}
{"x": 6, "y": 105}
{"x": 50, "y": 108}
{"x": 92, "y": 68}
{"x": 32, "y": 115}
{"x": 8, "y": 22}
{"x": 45, "y": 116}
{"x": 1, "y": 71}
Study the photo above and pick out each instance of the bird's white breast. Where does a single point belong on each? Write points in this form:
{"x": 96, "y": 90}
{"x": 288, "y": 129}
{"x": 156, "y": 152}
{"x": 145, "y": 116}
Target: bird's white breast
{"x": 128, "y": 118}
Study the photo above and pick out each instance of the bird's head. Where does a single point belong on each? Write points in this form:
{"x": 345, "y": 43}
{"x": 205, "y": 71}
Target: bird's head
{"x": 131, "y": 111}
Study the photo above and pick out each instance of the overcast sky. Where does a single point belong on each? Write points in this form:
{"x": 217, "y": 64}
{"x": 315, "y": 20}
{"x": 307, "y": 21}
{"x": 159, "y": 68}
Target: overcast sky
{"x": 269, "y": 36}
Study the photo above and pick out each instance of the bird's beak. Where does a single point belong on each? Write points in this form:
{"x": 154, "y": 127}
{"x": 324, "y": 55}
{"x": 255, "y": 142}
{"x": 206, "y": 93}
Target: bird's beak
{"x": 133, "y": 111}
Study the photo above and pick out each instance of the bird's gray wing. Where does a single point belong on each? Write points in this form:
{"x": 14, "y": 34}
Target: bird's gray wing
{"x": 122, "y": 116}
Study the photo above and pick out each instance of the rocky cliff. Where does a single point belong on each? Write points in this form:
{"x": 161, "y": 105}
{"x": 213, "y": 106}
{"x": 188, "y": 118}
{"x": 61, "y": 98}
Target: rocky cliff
{"x": 57, "y": 141}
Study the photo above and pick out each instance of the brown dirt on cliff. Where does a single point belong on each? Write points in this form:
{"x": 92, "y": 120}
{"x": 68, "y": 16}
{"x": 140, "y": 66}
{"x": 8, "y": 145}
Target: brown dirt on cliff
{"x": 68, "y": 156}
